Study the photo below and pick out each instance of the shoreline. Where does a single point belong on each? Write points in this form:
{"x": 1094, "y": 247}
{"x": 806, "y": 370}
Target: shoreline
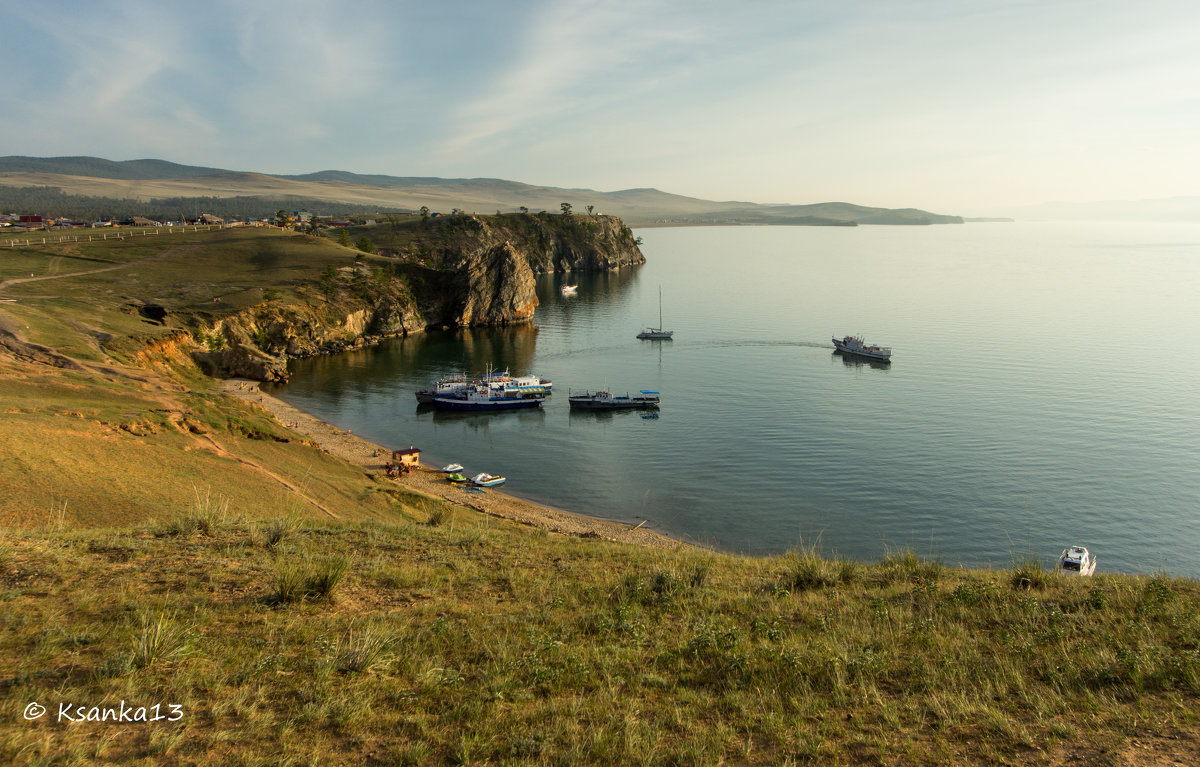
{"x": 429, "y": 481}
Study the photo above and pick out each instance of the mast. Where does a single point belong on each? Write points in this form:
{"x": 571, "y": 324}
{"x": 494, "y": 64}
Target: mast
{"x": 660, "y": 308}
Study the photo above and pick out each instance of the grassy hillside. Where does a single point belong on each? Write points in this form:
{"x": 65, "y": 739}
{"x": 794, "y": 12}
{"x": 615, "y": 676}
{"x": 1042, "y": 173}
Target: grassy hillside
{"x": 106, "y": 419}
{"x": 427, "y": 638}
{"x": 163, "y": 544}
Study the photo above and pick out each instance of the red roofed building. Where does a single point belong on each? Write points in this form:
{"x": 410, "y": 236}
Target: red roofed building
{"x": 409, "y": 457}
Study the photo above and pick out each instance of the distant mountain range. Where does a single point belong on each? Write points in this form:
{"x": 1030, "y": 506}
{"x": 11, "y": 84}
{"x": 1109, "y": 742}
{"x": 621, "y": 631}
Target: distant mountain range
{"x": 148, "y": 180}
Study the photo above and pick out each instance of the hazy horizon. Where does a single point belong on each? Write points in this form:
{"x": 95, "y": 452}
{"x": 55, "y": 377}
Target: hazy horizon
{"x": 949, "y": 107}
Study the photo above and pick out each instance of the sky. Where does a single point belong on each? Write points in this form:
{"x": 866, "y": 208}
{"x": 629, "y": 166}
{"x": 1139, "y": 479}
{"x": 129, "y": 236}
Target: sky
{"x": 944, "y": 105}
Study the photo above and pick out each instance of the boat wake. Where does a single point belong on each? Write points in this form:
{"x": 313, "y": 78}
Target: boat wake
{"x": 722, "y": 344}
{"x": 756, "y": 342}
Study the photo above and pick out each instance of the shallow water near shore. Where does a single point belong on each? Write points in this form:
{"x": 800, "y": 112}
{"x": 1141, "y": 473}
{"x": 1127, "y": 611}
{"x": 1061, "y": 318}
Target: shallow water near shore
{"x": 1043, "y": 392}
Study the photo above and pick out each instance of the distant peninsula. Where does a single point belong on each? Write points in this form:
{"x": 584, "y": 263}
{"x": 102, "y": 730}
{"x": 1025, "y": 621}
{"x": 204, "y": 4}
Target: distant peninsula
{"x": 145, "y": 187}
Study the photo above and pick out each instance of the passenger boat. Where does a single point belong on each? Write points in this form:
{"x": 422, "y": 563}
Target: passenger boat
{"x": 657, "y": 333}
{"x": 1076, "y": 560}
{"x": 500, "y": 383}
{"x": 522, "y": 385}
{"x": 479, "y": 397}
{"x": 443, "y": 387}
{"x": 604, "y": 400}
{"x": 488, "y": 480}
{"x": 855, "y": 345}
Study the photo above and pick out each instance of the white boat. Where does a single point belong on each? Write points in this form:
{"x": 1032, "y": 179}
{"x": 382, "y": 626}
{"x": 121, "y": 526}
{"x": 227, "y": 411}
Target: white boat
{"x": 1076, "y": 560}
{"x": 856, "y": 345}
{"x": 604, "y": 400}
{"x": 488, "y": 480}
{"x": 657, "y": 333}
{"x": 501, "y": 385}
{"x": 481, "y": 397}
{"x": 569, "y": 290}
{"x": 443, "y": 388}
{"x": 452, "y": 468}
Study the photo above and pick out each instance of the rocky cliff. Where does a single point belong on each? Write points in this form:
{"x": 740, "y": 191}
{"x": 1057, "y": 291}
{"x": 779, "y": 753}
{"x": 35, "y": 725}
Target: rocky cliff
{"x": 456, "y": 271}
{"x": 493, "y": 261}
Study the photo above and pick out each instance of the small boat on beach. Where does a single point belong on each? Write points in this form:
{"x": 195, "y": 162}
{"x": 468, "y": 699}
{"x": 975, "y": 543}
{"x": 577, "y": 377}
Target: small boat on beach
{"x": 1076, "y": 560}
{"x": 452, "y": 468}
{"x": 455, "y": 478}
{"x": 856, "y": 345}
{"x": 605, "y": 400}
{"x": 488, "y": 480}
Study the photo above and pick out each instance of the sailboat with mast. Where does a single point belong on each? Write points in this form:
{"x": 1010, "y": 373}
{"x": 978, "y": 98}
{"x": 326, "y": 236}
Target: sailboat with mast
{"x": 657, "y": 333}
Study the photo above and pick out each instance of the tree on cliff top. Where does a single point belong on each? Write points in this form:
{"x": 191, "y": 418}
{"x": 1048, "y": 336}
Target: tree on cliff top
{"x": 566, "y": 208}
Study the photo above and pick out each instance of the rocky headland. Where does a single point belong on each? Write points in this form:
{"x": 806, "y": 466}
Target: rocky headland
{"x": 451, "y": 271}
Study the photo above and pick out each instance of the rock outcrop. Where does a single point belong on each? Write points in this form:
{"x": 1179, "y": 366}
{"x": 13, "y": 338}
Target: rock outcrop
{"x": 497, "y": 288}
{"x": 476, "y": 272}
{"x": 494, "y": 260}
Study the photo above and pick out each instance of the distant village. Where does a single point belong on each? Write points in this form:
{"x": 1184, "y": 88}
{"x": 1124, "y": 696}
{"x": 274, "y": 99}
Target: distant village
{"x": 299, "y": 219}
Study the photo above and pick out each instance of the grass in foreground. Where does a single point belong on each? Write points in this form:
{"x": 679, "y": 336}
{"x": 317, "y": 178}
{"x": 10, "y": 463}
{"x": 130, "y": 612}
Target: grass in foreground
{"x": 409, "y": 643}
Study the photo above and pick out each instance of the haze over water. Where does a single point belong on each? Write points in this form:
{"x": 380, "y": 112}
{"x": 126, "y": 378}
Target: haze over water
{"x": 1043, "y": 392}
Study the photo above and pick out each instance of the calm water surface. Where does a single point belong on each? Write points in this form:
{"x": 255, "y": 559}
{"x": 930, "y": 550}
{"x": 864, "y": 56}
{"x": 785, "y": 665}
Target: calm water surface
{"x": 1043, "y": 391}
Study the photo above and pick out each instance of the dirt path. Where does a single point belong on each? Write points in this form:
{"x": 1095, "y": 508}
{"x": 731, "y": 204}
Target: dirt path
{"x": 430, "y": 482}
{"x": 158, "y": 257}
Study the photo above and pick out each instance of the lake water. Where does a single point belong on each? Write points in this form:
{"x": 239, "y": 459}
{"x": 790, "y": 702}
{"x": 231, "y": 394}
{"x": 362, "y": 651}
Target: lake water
{"x": 1044, "y": 391}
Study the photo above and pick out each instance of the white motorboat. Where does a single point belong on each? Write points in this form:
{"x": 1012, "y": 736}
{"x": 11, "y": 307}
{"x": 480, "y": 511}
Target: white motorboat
{"x": 452, "y": 468}
{"x": 569, "y": 290}
{"x": 1076, "y": 560}
{"x": 488, "y": 480}
{"x": 856, "y": 345}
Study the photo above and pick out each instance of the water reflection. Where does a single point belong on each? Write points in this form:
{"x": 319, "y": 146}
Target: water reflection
{"x": 480, "y": 420}
{"x": 594, "y": 287}
{"x": 583, "y": 416}
{"x": 854, "y": 361}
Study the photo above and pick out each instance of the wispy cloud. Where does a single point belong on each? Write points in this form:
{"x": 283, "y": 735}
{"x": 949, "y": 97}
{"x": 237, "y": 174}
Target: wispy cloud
{"x": 570, "y": 53}
{"x": 905, "y": 101}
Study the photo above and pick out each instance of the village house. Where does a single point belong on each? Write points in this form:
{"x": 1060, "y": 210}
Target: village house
{"x": 409, "y": 457}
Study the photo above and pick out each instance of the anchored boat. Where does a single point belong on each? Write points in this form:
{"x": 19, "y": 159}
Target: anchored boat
{"x": 1076, "y": 560}
{"x": 657, "y": 333}
{"x": 479, "y": 397}
{"x": 604, "y": 400}
{"x": 856, "y": 345}
{"x": 501, "y": 384}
